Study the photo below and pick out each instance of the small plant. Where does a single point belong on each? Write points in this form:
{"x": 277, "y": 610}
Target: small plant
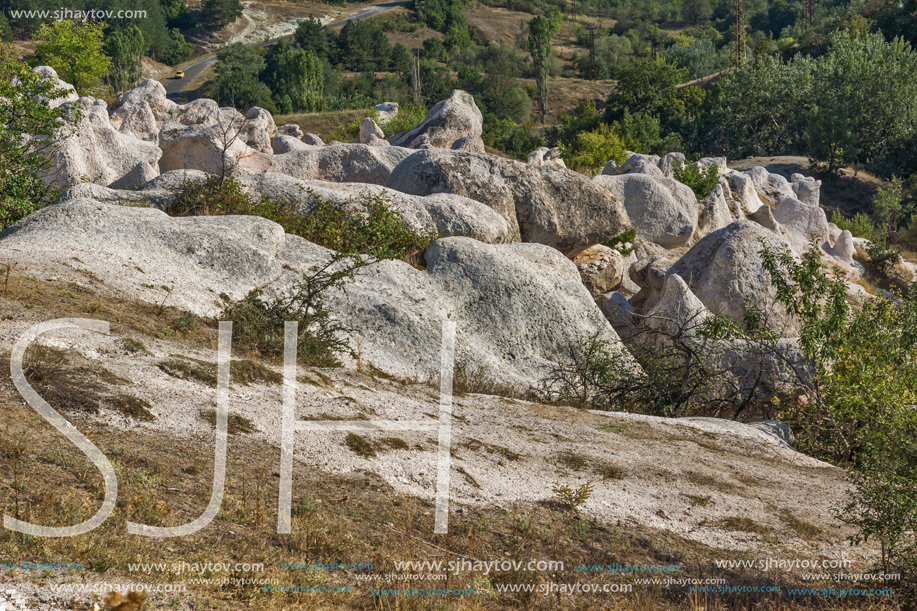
{"x": 259, "y": 325}
{"x": 623, "y": 243}
{"x": 235, "y": 423}
{"x": 186, "y": 322}
{"x": 369, "y": 226}
{"x": 572, "y": 498}
{"x": 360, "y": 446}
{"x": 701, "y": 180}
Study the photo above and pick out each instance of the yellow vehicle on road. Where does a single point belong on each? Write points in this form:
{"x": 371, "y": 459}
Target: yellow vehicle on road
{"x": 179, "y": 74}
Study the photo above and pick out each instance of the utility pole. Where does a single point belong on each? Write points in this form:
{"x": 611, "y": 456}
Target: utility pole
{"x": 592, "y": 30}
{"x": 738, "y": 44}
{"x": 416, "y": 89}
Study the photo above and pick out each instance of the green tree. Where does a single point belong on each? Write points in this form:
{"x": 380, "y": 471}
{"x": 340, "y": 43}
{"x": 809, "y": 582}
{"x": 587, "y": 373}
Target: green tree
{"x": 541, "y": 30}
{"x": 857, "y": 407}
{"x": 178, "y": 49}
{"x": 831, "y": 136}
{"x": 126, "y": 51}
{"x": 6, "y": 33}
{"x": 362, "y": 46}
{"x": 886, "y": 206}
{"x": 311, "y": 35}
{"x": 237, "y": 71}
{"x": 696, "y": 11}
{"x": 646, "y": 87}
{"x": 295, "y": 74}
{"x": 74, "y": 50}
{"x": 29, "y": 135}
{"x": 217, "y": 13}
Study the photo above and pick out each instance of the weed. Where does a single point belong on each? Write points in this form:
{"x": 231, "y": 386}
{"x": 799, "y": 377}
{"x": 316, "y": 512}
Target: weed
{"x": 235, "y": 423}
{"x": 572, "y": 461}
{"x": 259, "y": 325}
{"x": 805, "y": 529}
{"x": 186, "y": 322}
{"x": 572, "y": 498}
{"x": 395, "y": 443}
{"x": 134, "y": 346}
{"x": 698, "y": 501}
{"x": 360, "y": 446}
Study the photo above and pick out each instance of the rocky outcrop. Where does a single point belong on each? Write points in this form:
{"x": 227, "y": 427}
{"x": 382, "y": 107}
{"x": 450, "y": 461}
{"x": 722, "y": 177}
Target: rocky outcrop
{"x": 806, "y": 188}
{"x": 546, "y": 205}
{"x": 339, "y": 162}
{"x": 678, "y": 313}
{"x": 543, "y": 155}
{"x": 843, "y": 249}
{"x": 441, "y": 214}
{"x": 601, "y": 269}
{"x": 454, "y": 123}
{"x": 92, "y": 150}
{"x": 291, "y": 129}
{"x": 143, "y": 110}
{"x": 714, "y": 212}
{"x": 371, "y": 134}
{"x": 66, "y": 92}
{"x": 802, "y": 223}
{"x": 214, "y": 148}
{"x": 519, "y": 308}
{"x": 662, "y": 209}
{"x": 724, "y": 270}
{"x": 386, "y": 111}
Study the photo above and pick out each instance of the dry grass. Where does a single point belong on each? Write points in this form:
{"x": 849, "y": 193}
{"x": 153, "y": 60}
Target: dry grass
{"x": 321, "y": 123}
{"x": 353, "y": 517}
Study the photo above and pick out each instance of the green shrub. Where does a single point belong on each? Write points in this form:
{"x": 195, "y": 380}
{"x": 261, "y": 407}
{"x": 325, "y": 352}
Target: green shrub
{"x": 509, "y": 138}
{"x": 407, "y": 118}
{"x": 259, "y": 324}
{"x": 701, "y": 180}
{"x": 590, "y": 151}
{"x": 860, "y": 225}
{"x": 857, "y": 403}
{"x": 371, "y": 228}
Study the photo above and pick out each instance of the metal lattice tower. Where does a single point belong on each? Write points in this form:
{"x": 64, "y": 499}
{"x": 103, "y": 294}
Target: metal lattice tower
{"x": 738, "y": 44}
{"x": 592, "y": 30}
{"x": 808, "y": 18}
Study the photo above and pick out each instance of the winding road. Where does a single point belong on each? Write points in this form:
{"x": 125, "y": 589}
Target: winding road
{"x": 175, "y": 86}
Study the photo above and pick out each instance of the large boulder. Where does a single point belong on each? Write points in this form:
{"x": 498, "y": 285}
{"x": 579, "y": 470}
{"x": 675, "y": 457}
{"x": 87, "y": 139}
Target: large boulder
{"x": 601, "y": 268}
{"x": 545, "y": 204}
{"x": 520, "y": 309}
{"x": 441, "y": 214}
{"x": 371, "y": 134}
{"x": 662, "y": 209}
{"x": 807, "y": 189}
{"x": 215, "y": 148}
{"x": 143, "y": 110}
{"x": 454, "y": 123}
{"x": 339, "y": 162}
{"x": 194, "y": 263}
{"x": 714, "y": 212}
{"x": 66, "y": 92}
{"x": 386, "y": 111}
{"x": 257, "y": 129}
{"x": 678, "y": 313}
{"x": 725, "y": 271}
{"x": 802, "y": 222}
{"x": 152, "y": 93}
{"x": 770, "y": 187}
{"x": 92, "y": 150}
